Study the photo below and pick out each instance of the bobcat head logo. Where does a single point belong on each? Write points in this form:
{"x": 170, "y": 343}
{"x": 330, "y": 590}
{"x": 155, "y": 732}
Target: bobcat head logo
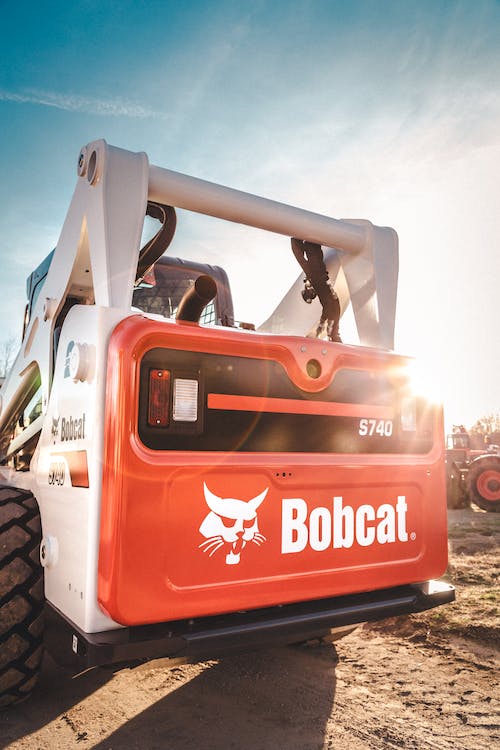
{"x": 55, "y": 427}
{"x": 230, "y": 524}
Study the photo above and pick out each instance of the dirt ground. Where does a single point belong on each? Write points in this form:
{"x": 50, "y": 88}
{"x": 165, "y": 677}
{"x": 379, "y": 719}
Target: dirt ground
{"x": 429, "y": 681}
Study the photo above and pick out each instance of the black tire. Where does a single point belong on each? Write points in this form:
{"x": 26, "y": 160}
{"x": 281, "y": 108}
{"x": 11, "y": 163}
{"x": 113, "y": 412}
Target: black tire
{"x": 456, "y": 491}
{"x": 484, "y": 483}
{"x": 21, "y": 595}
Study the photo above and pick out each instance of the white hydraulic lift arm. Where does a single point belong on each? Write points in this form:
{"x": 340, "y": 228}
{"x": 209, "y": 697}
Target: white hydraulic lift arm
{"x": 361, "y": 257}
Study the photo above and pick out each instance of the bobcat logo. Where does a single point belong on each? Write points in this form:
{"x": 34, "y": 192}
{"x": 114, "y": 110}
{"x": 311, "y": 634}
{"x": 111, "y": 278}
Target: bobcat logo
{"x": 55, "y": 427}
{"x": 230, "y": 523}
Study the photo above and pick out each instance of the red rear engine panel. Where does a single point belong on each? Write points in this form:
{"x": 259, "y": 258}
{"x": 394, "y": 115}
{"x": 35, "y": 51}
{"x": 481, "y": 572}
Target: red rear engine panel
{"x": 244, "y": 471}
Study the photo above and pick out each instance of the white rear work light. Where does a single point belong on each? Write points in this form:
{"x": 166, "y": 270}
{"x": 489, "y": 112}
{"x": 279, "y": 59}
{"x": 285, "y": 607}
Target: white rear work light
{"x": 185, "y": 400}
{"x": 409, "y": 414}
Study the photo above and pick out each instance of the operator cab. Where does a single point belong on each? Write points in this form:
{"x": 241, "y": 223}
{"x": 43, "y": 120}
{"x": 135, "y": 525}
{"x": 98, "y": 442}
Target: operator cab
{"x": 164, "y": 286}
{"x": 34, "y": 283}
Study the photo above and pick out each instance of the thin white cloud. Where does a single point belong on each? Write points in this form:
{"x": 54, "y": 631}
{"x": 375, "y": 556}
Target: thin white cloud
{"x": 112, "y": 107}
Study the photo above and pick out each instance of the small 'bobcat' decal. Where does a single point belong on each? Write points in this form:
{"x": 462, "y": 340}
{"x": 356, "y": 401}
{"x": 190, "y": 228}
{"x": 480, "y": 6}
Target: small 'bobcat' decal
{"x": 230, "y": 524}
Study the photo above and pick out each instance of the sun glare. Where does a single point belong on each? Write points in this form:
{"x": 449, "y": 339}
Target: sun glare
{"x": 426, "y": 381}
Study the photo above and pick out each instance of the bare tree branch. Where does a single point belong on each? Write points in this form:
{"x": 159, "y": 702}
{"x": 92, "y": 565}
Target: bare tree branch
{"x": 7, "y": 351}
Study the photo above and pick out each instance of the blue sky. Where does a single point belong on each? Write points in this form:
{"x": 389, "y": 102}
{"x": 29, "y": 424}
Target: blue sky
{"x": 382, "y": 110}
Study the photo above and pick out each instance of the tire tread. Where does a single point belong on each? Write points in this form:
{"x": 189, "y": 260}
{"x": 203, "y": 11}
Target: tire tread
{"x": 21, "y": 595}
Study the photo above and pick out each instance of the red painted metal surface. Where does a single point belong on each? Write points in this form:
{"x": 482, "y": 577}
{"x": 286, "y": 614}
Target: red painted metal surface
{"x": 293, "y": 406}
{"x": 293, "y": 526}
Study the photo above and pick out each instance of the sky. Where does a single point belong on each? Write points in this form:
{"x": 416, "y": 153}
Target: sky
{"x": 376, "y": 109}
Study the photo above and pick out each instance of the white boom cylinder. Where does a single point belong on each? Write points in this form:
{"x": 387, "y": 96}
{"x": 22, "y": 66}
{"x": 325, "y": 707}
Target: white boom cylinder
{"x": 193, "y": 194}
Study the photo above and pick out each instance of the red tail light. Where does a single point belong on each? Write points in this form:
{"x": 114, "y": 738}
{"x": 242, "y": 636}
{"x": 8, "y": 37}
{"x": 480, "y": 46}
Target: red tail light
{"x": 159, "y": 398}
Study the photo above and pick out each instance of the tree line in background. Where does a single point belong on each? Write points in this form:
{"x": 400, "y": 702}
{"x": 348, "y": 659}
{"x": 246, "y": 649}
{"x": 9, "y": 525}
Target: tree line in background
{"x": 8, "y": 350}
{"x": 485, "y": 431}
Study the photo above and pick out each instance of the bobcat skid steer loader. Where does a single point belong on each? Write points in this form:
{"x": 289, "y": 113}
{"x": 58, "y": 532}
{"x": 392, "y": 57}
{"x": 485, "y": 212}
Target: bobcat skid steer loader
{"x": 179, "y": 486}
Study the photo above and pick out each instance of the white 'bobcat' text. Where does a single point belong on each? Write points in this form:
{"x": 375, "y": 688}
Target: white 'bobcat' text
{"x": 341, "y": 526}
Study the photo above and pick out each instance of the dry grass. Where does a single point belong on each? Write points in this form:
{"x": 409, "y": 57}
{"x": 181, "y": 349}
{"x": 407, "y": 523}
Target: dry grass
{"x": 474, "y": 570}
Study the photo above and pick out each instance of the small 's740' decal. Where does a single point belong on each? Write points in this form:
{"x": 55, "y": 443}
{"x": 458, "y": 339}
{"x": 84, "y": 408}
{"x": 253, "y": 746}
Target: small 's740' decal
{"x": 57, "y": 473}
{"x": 380, "y": 427}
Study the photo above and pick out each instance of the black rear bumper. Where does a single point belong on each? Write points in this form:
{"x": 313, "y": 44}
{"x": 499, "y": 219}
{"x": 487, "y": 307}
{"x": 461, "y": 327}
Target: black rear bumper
{"x": 211, "y": 637}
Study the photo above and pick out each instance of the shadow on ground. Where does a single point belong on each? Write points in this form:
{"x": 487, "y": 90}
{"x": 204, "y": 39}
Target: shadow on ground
{"x": 237, "y": 702}
{"x": 57, "y": 692}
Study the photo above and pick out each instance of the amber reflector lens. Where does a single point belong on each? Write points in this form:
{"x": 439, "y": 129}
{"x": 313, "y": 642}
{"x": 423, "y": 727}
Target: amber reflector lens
{"x": 159, "y": 393}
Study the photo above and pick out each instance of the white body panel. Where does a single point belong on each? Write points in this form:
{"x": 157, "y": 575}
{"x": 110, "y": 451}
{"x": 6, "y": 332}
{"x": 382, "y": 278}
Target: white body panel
{"x": 71, "y": 514}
